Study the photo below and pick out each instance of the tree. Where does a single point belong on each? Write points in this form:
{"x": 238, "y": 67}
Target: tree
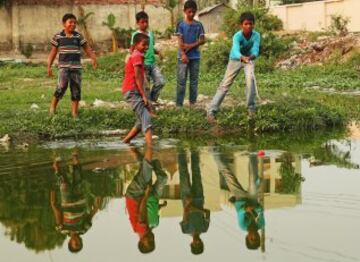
{"x": 170, "y": 6}
{"x": 110, "y": 23}
{"x": 83, "y": 26}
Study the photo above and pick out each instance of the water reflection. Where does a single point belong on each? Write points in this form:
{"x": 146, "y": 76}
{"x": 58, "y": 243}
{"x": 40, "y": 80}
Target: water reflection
{"x": 196, "y": 218}
{"x": 50, "y": 198}
{"x": 143, "y": 199}
{"x": 72, "y": 203}
{"x": 250, "y": 213}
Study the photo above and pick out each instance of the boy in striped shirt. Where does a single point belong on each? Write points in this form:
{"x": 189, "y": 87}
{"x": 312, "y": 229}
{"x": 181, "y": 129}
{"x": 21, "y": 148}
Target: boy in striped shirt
{"x": 68, "y": 44}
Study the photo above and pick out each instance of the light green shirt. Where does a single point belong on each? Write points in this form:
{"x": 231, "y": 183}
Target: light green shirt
{"x": 150, "y": 53}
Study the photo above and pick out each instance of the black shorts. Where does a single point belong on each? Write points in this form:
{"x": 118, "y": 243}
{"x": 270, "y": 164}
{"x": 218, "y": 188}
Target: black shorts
{"x": 73, "y": 76}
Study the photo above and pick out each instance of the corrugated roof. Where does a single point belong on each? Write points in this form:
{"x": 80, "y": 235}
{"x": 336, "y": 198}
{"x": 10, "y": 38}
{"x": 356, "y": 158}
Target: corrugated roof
{"x": 211, "y": 8}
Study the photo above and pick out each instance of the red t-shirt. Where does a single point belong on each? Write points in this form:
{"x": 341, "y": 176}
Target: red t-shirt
{"x": 129, "y": 83}
{"x": 132, "y": 206}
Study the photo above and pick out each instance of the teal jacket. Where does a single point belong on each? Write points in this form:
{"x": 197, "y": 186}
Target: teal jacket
{"x": 245, "y": 47}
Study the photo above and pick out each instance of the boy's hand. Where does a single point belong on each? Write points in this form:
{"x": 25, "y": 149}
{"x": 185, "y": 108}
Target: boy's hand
{"x": 184, "y": 46}
{"x": 49, "y": 72}
{"x": 245, "y": 59}
{"x": 184, "y": 59}
{"x": 146, "y": 101}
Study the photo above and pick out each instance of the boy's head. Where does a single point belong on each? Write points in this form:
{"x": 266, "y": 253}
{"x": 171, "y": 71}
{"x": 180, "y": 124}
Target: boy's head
{"x": 75, "y": 244}
{"x": 190, "y": 9}
{"x": 142, "y": 20}
{"x": 197, "y": 246}
{"x": 141, "y": 42}
{"x": 147, "y": 243}
{"x": 247, "y": 21}
{"x": 252, "y": 239}
{"x": 69, "y": 22}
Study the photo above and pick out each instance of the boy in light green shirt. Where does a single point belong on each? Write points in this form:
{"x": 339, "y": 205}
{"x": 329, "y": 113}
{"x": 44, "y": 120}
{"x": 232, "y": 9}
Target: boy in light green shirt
{"x": 151, "y": 69}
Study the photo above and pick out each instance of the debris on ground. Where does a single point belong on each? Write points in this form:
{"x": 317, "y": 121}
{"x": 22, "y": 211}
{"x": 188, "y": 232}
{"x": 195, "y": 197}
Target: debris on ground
{"x": 5, "y": 139}
{"x": 305, "y": 52}
{"x": 34, "y": 107}
{"x": 113, "y": 132}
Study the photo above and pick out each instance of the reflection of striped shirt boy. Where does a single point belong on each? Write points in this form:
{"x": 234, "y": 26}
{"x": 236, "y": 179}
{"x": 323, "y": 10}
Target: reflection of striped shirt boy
{"x": 74, "y": 205}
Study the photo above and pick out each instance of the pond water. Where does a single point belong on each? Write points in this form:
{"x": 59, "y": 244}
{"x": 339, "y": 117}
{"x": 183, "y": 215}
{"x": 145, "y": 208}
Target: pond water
{"x": 104, "y": 201}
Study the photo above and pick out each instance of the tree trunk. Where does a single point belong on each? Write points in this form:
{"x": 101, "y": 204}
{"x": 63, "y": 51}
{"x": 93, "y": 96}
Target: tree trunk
{"x": 114, "y": 42}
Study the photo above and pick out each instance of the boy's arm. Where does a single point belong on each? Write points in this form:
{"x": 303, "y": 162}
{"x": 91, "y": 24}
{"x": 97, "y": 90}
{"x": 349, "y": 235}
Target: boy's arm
{"x": 180, "y": 33}
{"x": 255, "y": 49}
{"x": 199, "y": 42}
{"x": 96, "y": 207}
{"x": 142, "y": 206}
{"x": 90, "y": 53}
{"x": 56, "y": 211}
{"x": 235, "y": 49}
{"x": 139, "y": 77}
{"x": 183, "y": 49}
{"x": 51, "y": 58}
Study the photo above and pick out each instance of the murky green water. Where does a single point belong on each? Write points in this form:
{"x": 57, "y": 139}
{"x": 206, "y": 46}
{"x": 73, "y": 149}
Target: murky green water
{"x": 263, "y": 201}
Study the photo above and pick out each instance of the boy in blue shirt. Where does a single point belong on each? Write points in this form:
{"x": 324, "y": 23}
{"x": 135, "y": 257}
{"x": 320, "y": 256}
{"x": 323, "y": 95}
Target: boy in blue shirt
{"x": 191, "y": 35}
{"x": 244, "y": 51}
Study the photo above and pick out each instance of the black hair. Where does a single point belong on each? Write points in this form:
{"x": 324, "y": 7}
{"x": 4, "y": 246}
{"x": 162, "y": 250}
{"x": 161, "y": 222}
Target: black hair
{"x": 68, "y": 16}
{"x": 140, "y": 37}
{"x": 141, "y": 15}
{"x": 190, "y": 4}
{"x": 75, "y": 250}
{"x": 197, "y": 249}
{"x": 247, "y": 16}
{"x": 145, "y": 249}
{"x": 253, "y": 245}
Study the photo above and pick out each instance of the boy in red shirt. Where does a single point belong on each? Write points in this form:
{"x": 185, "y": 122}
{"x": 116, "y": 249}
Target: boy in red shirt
{"x": 133, "y": 89}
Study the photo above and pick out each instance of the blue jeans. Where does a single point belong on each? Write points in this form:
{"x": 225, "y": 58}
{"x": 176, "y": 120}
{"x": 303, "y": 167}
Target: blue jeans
{"x": 143, "y": 118}
{"x": 232, "y": 70}
{"x": 191, "y": 68}
{"x": 153, "y": 74}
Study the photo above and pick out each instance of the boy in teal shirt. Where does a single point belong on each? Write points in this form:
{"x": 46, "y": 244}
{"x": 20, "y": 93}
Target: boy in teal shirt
{"x": 151, "y": 69}
{"x": 244, "y": 51}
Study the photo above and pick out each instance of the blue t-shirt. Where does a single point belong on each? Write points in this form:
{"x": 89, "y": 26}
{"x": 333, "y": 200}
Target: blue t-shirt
{"x": 245, "y": 221}
{"x": 190, "y": 33}
{"x": 245, "y": 47}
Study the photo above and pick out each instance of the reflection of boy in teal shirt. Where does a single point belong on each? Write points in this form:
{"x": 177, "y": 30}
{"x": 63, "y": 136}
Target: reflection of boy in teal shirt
{"x": 250, "y": 213}
{"x": 151, "y": 69}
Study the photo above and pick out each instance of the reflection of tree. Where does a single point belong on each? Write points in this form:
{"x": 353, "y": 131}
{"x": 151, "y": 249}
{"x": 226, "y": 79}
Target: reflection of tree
{"x": 330, "y": 154}
{"x": 290, "y": 180}
{"x": 25, "y": 211}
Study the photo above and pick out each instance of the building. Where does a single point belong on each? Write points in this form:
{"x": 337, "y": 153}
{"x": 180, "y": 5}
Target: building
{"x": 317, "y": 15}
{"x": 36, "y": 21}
{"x": 212, "y": 17}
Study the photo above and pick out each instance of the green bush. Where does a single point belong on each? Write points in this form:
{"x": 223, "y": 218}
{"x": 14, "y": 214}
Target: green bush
{"x": 216, "y": 55}
{"x": 27, "y": 50}
{"x": 109, "y": 67}
{"x": 339, "y": 24}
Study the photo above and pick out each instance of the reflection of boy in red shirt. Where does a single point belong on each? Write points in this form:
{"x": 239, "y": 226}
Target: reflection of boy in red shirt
{"x": 136, "y": 197}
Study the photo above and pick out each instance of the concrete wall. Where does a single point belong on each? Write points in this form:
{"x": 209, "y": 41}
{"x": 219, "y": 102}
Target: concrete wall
{"x": 36, "y": 24}
{"x": 316, "y": 16}
{"x": 5, "y": 29}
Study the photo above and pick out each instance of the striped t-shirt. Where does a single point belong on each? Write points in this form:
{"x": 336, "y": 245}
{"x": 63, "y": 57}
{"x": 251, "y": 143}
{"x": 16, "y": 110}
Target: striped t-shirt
{"x": 69, "y": 49}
